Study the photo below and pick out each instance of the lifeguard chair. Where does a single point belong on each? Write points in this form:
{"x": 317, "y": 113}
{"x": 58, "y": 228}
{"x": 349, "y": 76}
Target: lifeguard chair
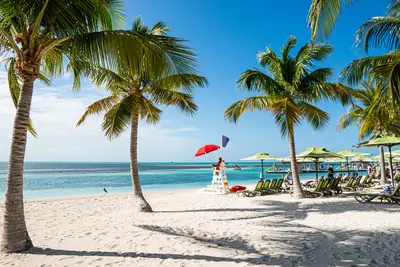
{"x": 219, "y": 183}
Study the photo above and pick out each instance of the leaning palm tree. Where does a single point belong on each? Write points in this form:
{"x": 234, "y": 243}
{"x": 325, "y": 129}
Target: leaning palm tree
{"x": 135, "y": 96}
{"x": 371, "y": 114}
{"x": 290, "y": 91}
{"x": 39, "y": 37}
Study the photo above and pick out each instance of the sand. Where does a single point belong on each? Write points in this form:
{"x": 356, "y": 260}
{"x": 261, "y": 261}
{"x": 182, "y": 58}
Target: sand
{"x": 193, "y": 229}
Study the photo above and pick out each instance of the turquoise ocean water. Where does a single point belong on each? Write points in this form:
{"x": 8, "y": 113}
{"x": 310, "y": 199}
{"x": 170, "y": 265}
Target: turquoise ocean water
{"x": 43, "y": 180}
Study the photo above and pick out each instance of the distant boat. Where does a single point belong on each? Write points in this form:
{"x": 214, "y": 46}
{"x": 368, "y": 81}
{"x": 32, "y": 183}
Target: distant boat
{"x": 237, "y": 168}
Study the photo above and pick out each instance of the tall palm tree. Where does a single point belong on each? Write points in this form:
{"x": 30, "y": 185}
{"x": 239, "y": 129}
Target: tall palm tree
{"x": 40, "y": 36}
{"x": 290, "y": 91}
{"x": 372, "y": 114}
{"x": 136, "y": 96}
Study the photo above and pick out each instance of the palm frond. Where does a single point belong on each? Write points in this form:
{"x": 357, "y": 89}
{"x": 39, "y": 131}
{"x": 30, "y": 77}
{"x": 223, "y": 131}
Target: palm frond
{"x": 315, "y": 116}
{"x": 183, "y": 101}
{"x": 352, "y": 116}
{"x": 290, "y": 43}
{"x": 184, "y": 82}
{"x": 322, "y": 17}
{"x": 287, "y": 115}
{"x": 379, "y": 32}
{"x": 118, "y": 118}
{"x": 149, "y": 112}
{"x": 257, "y": 81}
{"x": 236, "y": 110}
{"x": 98, "y": 107}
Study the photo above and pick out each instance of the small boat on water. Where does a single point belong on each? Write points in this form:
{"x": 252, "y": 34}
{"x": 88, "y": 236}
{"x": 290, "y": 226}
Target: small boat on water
{"x": 237, "y": 169}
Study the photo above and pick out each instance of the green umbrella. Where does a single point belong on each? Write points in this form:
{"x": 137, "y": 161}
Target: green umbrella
{"x": 316, "y": 153}
{"x": 261, "y": 156}
{"x": 395, "y": 158}
{"x": 348, "y": 153}
{"x": 388, "y": 140}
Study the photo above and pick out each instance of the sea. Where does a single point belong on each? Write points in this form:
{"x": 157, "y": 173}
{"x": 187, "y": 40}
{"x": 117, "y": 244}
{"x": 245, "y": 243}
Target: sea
{"x": 48, "y": 180}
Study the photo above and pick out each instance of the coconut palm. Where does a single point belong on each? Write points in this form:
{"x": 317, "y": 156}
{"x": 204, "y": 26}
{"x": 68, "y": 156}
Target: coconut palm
{"x": 136, "y": 96}
{"x": 40, "y": 36}
{"x": 290, "y": 91}
{"x": 371, "y": 114}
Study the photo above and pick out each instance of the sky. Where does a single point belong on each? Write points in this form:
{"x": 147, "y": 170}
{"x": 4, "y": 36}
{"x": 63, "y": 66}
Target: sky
{"x": 226, "y": 36}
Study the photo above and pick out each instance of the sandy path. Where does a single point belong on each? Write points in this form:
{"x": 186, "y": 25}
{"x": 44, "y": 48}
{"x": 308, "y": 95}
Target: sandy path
{"x": 192, "y": 229}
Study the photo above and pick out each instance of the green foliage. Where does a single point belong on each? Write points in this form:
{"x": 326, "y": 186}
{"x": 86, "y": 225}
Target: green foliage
{"x": 378, "y": 32}
{"x": 371, "y": 113}
{"x": 136, "y": 92}
{"x": 290, "y": 88}
{"x": 322, "y": 17}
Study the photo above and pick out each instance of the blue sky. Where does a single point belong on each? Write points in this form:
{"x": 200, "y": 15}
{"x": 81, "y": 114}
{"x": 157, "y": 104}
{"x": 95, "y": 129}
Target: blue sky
{"x": 226, "y": 35}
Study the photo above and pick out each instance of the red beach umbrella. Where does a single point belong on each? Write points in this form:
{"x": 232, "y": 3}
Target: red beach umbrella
{"x": 206, "y": 149}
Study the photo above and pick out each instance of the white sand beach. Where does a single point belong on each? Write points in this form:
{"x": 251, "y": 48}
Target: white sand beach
{"x": 193, "y": 229}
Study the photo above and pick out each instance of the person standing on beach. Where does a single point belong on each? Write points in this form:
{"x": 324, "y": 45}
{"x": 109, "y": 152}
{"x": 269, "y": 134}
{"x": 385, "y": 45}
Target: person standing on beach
{"x": 331, "y": 172}
{"x": 369, "y": 169}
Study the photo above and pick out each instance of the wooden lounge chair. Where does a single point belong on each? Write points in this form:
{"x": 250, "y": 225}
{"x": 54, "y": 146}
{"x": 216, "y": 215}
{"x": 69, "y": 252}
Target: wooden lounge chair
{"x": 366, "y": 197}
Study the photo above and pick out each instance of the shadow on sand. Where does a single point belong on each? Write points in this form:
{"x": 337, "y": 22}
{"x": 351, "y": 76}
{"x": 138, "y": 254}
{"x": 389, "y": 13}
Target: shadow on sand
{"x": 284, "y": 240}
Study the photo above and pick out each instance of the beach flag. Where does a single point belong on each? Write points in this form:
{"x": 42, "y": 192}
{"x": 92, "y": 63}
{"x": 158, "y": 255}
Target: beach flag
{"x": 225, "y": 140}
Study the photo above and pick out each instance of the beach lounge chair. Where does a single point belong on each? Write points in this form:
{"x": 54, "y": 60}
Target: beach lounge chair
{"x": 366, "y": 197}
{"x": 349, "y": 185}
{"x": 266, "y": 187}
{"x": 251, "y": 193}
{"x": 313, "y": 193}
{"x": 325, "y": 186}
{"x": 334, "y": 187}
{"x": 279, "y": 188}
{"x": 364, "y": 182}
{"x": 272, "y": 187}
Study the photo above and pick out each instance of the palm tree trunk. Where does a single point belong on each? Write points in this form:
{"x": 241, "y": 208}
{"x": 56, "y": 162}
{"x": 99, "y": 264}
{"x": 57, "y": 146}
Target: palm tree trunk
{"x": 143, "y": 206}
{"x": 297, "y": 188}
{"x": 382, "y": 162}
{"x": 15, "y": 234}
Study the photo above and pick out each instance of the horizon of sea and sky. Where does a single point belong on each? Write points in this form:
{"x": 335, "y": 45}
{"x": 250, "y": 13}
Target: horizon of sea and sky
{"x": 50, "y": 180}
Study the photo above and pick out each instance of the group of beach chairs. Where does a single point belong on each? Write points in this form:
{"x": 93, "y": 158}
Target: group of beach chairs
{"x": 262, "y": 188}
{"x": 327, "y": 187}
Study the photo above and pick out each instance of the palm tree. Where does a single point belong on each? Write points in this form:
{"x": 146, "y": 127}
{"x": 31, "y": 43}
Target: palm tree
{"x": 290, "y": 91}
{"x": 40, "y": 36}
{"x": 136, "y": 96}
{"x": 371, "y": 115}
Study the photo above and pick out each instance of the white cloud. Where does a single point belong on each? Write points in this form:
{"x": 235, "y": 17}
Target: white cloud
{"x": 55, "y": 111}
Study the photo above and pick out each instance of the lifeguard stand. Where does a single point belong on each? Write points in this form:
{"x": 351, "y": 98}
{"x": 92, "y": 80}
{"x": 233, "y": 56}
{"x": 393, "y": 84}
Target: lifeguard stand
{"x": 220, "y": 181}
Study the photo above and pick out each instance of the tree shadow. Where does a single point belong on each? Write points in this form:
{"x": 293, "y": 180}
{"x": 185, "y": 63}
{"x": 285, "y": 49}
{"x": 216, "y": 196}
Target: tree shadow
{"x": 63, "y": 252}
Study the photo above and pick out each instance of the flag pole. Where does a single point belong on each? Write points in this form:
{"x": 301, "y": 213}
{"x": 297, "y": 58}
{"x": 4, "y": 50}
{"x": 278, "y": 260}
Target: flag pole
{"x": 222, "y": 148}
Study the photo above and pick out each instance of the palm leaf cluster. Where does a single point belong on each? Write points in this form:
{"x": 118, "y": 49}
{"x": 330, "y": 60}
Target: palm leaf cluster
{"x": 138, "y": 94}
{"x": 291, "y": 88}
{"x": 370, "y": 112}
